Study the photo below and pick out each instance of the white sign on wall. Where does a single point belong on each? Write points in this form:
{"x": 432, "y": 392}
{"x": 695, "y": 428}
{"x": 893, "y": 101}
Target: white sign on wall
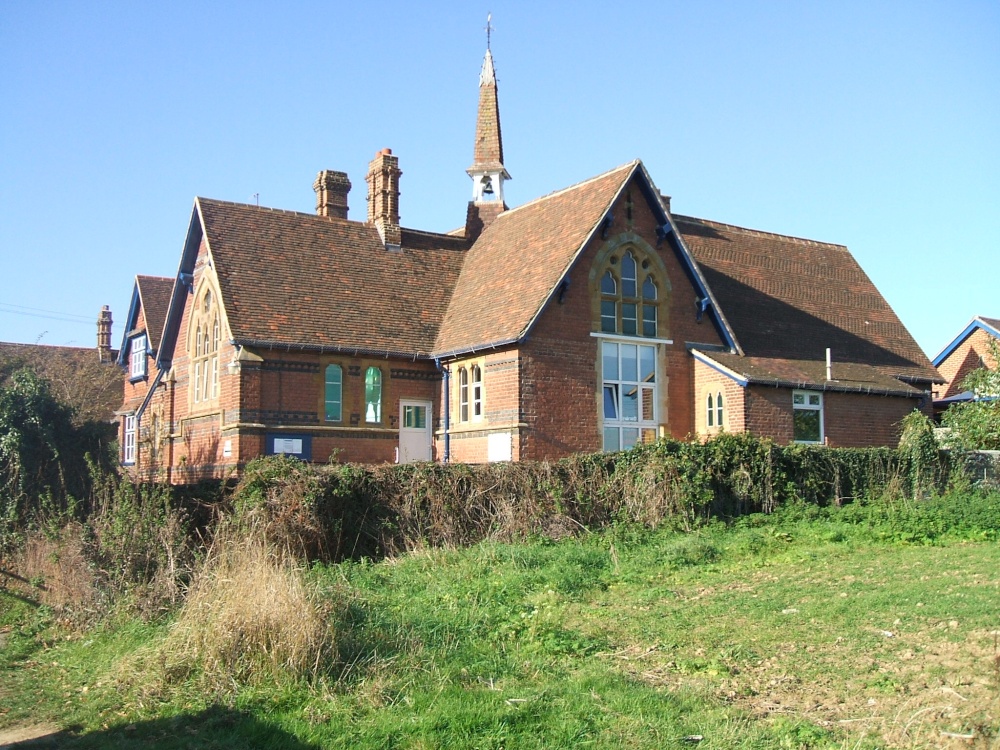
{"x": 288, "y": 445}
{"x": 499, "y": 446}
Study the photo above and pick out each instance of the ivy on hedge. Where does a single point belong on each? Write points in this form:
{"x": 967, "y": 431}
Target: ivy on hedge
{"x": 345, "y": 510}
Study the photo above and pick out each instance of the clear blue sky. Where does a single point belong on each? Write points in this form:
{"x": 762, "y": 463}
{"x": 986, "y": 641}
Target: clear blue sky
{"x": 872, "y": 124}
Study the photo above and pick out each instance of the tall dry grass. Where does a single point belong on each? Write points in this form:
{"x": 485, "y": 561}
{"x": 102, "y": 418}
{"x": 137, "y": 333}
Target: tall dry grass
{"x": 248, "y": 618}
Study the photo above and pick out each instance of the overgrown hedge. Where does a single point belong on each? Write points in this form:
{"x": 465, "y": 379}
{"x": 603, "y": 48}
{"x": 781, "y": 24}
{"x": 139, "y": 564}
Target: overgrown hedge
{"x": 338, "y": 511}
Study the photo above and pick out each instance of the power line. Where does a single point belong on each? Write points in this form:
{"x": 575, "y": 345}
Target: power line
{"x": 49, "y": 314}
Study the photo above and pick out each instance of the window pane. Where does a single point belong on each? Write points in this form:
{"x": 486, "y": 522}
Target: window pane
{"x": 610, "y": 401}
{"x": 630, "y": 364}
{"x": 629, "y": 312}
{"x": 628, "y": 276}
{"x": 415, "y": 417}
{"x": 647, "y": 403}
{"x": 610, "y": 356}
{"x": 798, "y": 398}
{"x": 649, "y": 320}
{"x": 814, "y": 399}
{"x": 463, "y": 395}
{"x": 718, "y": 408}
{"x": 630, "y": 404}
{"x": 334, "y": 393}
{"x": 647, "y": 364}
{"x": 711, "y": 411}
{"x": 373, "y": 395}
{"x": 648, "y": 288}
{"x": 611, "y": 441}
{"x": 806, "y": 422}
{"x": 608, "y": 284}
{"x": 630, "y": 436}
{"x": 648, "y": 436}
{"x": 609, "y": 316}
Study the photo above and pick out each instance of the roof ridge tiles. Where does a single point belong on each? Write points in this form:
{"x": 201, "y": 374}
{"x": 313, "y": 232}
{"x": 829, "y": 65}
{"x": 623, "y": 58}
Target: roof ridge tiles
{"x": 574, "y": 186}
{"x": 758, "y": 232}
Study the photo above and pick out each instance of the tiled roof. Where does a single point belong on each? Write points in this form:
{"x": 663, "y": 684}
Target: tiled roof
{"x": 154, "y": 291}
{"x": 516, "y": 263}
{"x": 802, "y": 373}
{"x": 791, "y": 299}
{"x": 488, "y": 150}
{"x": 295, "y": 279}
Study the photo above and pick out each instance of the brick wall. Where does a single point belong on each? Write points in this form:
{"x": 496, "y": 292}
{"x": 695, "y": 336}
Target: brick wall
{"x": 850, "y": 420}
{"x": 971, "y": 354}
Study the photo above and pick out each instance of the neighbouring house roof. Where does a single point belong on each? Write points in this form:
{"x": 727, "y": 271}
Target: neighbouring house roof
{"x": 848, "y": 377}
{"x": 303, "y": 280}
{"x": 77, "y": 376}
{"x": 789, "y": 299}
{"x": 989, "y": 325}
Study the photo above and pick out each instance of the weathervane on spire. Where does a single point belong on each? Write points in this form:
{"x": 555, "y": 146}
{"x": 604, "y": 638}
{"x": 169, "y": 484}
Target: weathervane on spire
{"x": 489, "y": 28}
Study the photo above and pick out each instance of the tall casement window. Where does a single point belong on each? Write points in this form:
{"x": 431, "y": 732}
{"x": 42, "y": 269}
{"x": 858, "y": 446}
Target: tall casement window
{"x": 470, "y": 393}
{"x": 477, "y": 392}
{"x": 807, "y": 416}
{"x": 128, "y": 440}
{"x": 137, "y": 357}
{"x": 373, "y": 395}
{"x": 628, "y": 297}
{"x": 463, "y": 394}
{"x": 629, "y": 402}
{"x": 205, "y": 350}
{"x": 334, "y": 393}
{"x": 714, "y": 412}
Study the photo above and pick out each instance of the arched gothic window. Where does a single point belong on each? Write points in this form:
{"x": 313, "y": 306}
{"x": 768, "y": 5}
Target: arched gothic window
{"x": 205, "y": 350}
{"x": 628, "y": 307}
{"x": 373, "y": 395}
{"x": 463, "y": 395}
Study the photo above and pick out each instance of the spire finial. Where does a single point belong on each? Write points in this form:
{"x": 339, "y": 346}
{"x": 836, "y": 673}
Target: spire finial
{"x": 489, "y": 28}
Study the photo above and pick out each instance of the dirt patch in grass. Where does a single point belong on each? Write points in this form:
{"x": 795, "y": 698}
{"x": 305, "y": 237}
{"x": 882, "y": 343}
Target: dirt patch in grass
{"x": 11, "y": 737}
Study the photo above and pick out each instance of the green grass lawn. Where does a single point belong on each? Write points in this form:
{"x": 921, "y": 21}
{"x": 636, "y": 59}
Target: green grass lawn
{"x": 863, "y": 627}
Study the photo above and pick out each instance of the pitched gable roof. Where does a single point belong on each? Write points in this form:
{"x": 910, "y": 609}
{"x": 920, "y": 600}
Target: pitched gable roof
{"x": 791, "y": 299}
{"x": 517, "y": 262}
{"x": 154, "y": 291}
{"x": 315, "y": 282}
{"x": 151, "y": 297}
{"x": 990, "y": 325}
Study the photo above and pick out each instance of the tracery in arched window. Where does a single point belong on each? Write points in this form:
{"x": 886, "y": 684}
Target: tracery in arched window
{"x": 629, "y": 295}
{"x": 205, "y": 350}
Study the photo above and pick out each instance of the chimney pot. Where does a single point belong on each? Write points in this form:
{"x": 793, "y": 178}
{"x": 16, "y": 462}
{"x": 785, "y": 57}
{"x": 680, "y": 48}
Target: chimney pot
{"x": 104, "y": 334}
{"x": 383, "y": 195}
{"x": 331, "y": 193}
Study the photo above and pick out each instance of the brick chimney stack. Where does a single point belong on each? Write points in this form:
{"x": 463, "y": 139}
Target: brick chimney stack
{"x": 383, "y": 196}
{"x": 104, "y": 334}
{"x": 331, "y": 193}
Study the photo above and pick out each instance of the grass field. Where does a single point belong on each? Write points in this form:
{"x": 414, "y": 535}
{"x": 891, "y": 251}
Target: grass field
{"x": 862, "y": 627}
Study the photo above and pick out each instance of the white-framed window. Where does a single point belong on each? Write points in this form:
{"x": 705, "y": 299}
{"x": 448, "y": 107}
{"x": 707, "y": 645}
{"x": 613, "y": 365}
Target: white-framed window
{"x": 714, "y": 410}
{"x": 629, "y": 394}
{"x": 477, "y": 392}
{"x": 137, "y": 357}
{"x": 463, "y": 394}
{"x": 128, "y": 440}
{"x": 807, "y": 416}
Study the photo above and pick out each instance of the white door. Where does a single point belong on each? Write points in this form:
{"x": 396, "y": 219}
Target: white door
{"x": 414, "y": 431}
